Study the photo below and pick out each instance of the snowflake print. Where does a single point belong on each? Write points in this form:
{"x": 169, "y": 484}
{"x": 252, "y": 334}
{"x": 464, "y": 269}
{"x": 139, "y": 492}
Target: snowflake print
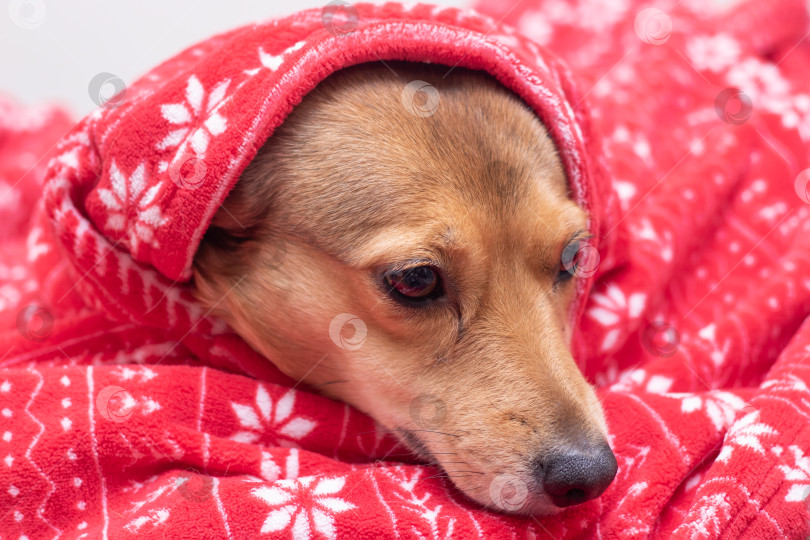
{"x": 658, "y": 245}
{"x": 308, "y": 504}
{"x": 195, "y": 120}
{"x": 790, "y": 383}
{"x": 798, "y": 475}
{"x": 263, "y": 417}
{"x": 745, "y": 432}
{"x": 715, "y": 53}
{"x": 273, "y": 61}
{"x": 765, "y": 85}
{"x": 720, "y": 407}
{"x": 714, "y": 510}
{"x": 635, "y": 379}
{"x": 611, "y": 309}
{"x": 130, "y": 196}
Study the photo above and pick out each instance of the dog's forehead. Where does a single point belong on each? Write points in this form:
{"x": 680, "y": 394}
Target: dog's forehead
{"x": 387, "y": 154}
{"x": 466, "y": 125}
{"x": 466, "y": 137}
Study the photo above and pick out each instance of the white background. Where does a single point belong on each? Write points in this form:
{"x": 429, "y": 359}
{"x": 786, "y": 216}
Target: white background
{"x": 76, "y": 39}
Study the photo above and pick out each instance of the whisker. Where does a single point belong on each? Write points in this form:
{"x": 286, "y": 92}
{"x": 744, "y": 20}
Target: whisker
{"x": 394, "y": 430}
{"x": 449, "y": 476}
{"x": 493, "y": 405}
{"x": 425, "y": 453}
{"x": 330, "y": 382}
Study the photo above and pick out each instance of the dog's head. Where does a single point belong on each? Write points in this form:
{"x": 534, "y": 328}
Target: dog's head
{"x": 407, "y": 243}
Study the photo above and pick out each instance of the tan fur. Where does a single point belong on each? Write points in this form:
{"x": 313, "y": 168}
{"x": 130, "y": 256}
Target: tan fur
{"x": 353, "y": 183}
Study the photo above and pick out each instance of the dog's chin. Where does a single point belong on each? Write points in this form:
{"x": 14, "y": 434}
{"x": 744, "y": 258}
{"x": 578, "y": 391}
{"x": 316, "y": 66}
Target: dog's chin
{"x": 503, "y": 493}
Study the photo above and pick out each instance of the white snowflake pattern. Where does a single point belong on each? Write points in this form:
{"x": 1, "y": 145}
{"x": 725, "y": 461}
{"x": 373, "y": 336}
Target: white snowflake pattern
{"x": 714, "y": 510}
{"x": 798, "y": 475}
{"x": 715, "y": 53}
{"x": 130, "y": 196}
{"x": 195, "y": 120}
{"x": 789, "y": 383}
{"x": 266, "y": 417}
{"x": 659, "y": 243}
{"x": 764, "y": 83}
{"x": 155, "y": 518}
{"x": 717, "y": 354}
{"x": 611, "y": 309}
{"x": 720, "y": 407}
{"x": 746, "y": 432}
{"x": 273, "y": 61}
{"x": 309, "y": 504}
{"x": 638, "y": 379}
{"x": 406, "y": 491}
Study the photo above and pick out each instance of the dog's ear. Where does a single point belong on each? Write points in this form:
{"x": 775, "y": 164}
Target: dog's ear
{"x": 248, "y": 206}
{"x": 238, "y": 230}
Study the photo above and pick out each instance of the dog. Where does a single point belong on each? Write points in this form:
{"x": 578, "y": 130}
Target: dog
{"x": 438, "y": 220}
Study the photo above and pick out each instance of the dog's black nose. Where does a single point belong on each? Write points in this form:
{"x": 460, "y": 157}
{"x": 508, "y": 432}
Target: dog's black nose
{"x": 579, "y": 473}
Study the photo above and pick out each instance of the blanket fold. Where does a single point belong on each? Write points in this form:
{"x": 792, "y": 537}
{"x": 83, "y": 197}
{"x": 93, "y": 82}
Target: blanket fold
{"x": 126, "y": 410}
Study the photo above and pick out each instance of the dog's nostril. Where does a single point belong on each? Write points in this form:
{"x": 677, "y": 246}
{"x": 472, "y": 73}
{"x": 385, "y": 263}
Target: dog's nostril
{"x": 571, "y": 497}
{"x": 579, "y": 474}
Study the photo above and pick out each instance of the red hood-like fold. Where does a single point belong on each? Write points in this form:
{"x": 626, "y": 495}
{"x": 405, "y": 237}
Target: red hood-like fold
{"x": 139, "y": 180}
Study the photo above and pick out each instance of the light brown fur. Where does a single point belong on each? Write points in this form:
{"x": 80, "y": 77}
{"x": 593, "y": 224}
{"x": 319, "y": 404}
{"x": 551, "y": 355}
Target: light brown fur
{"x": 353, "y": 183}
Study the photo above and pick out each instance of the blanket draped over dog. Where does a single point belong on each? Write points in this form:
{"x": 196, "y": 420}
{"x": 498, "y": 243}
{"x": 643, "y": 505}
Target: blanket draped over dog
{"x": 128, "y": 411}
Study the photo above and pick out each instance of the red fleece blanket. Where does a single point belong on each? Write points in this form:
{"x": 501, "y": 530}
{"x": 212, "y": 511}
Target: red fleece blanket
{"x": 127, "y": 411}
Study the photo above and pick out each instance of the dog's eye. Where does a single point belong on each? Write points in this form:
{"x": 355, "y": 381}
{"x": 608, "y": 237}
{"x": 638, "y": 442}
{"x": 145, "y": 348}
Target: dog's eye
{"x": 572, "y": 258}
{"x": 579, "y": 258}
{"x": 414, "y": 284}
